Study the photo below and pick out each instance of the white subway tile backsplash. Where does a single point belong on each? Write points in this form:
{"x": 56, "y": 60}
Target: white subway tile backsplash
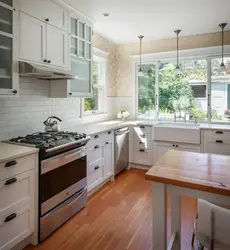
{"x": 26, "y": 113}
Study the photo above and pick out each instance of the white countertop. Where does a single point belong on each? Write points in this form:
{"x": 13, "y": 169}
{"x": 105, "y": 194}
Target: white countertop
{"x": 9, "y": 152}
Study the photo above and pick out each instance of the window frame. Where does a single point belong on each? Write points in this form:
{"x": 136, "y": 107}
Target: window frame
{"x": 203, "y": 54}
{"x": 101, "y": 85}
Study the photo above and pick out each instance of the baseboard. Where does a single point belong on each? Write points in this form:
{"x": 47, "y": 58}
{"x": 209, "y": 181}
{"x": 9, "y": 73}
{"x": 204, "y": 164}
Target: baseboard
{"x": 139, "y": 166}
{"x": 94, "y": 190}
{"x": 23, "y": 243}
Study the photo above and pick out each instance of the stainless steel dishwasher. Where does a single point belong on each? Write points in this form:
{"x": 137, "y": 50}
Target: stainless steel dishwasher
{"x": 121, "y": 149}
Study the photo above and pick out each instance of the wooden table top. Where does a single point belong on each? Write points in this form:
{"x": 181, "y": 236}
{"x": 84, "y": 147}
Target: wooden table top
{"x": 205, "y": 172}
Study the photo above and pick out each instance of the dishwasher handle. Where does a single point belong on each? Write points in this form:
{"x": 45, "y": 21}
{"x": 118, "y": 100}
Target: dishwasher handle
{"x": 122, "y": 131}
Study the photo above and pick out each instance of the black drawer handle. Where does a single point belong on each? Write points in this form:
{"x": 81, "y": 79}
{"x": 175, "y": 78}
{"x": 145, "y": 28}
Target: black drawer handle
{"x": 141, "y": 142}
{"x": 143, "y": 135}
{"x": 176, "y": 146}
{"x": 141, "y": 150}
{"x": 109, "y": 132}
{"x": 173, "y": 145}
{"x": 96, "y": 147}
{"x": 10, "y": 181}
{"x": 10, "y": 217}
{"x": 219, "y": 132}
{"x": 219, "y": 141}
{"x": 142, "y": 126}
{"x": 10, "y": 164}
{"x": 106, "y": 143}
{"x": 96, "y": 136}
{"x": 96, "y": 167}
{"x": 47, "y": 20}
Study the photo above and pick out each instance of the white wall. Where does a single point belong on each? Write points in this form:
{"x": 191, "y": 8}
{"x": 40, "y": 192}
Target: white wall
{"x": 25, "y": 114}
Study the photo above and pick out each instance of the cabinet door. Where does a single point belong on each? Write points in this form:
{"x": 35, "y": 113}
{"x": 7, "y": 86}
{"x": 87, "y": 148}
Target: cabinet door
{"x": 57, "y": 47}
{"x": 46, "y": 11}
{"x": 32, "y": 38}
{"x": 109, "y": 159}
{"x": 188, "y": 148}
{"x": 222, "y": 148}
{"x": 160, "y": 149}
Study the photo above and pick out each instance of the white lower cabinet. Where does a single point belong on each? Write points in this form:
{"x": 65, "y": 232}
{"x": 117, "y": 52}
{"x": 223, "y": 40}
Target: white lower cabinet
{"x": 160, "y": 148}
{"x": 18, "y": 200}
{"x": 100, "y": 159}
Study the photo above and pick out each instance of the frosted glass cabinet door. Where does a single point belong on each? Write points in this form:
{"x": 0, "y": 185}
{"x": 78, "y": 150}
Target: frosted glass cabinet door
{"x": 6, "y": 62}
{"x": 6, "y": 20}
{"x": 82, "y": 69}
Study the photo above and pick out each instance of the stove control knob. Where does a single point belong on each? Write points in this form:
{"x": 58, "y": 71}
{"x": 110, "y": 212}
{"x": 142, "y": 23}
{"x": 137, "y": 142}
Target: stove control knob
{"x": 77, "y": 138}
{"x": 84, "y": 135}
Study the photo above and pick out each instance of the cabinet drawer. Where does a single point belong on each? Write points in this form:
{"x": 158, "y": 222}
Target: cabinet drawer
{"x": 96, "y": 139}
{"x": 94, "y": 166}
{"x": 95, "y": 153}
{"x": 217, "y": 148}
{"x": 95, "y": 178}
{"x": 19, "y": 192}
{"x": 17, "y": 166}
{"x": 142, "y": 129}
{"x": 20, "y": 225}
{"x": 143, "y": 157}
{"x": 213, "y": 135}
{"x": 109, "y": 136}
{"x": 143, "y": 142}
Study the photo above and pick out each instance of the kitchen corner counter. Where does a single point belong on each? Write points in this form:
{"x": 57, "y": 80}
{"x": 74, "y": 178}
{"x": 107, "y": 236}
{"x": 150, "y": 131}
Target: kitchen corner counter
{"x": 10, "y": 152}
{"x": 215, "y": 126}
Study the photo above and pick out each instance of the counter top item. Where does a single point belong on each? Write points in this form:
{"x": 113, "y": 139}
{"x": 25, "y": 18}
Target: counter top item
{"x": 9, "y": 151}
{"x": 205, "y": 172}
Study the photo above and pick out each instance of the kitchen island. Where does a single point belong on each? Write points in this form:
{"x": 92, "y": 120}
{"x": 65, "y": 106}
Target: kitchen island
{"x": 204, "y": 176}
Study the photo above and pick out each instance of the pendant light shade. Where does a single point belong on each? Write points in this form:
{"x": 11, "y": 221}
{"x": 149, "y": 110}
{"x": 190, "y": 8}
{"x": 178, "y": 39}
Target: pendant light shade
{"x": 178, "y": 70}
{"x": 140, "y": 72}
{"x": 223, "y": 68}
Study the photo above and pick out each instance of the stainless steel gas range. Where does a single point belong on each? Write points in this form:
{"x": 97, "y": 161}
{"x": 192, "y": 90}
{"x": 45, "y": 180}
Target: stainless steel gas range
{"x": 62, "y": 176}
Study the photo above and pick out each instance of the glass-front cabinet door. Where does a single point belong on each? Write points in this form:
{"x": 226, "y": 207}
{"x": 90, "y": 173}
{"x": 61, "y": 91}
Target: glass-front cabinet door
{"x": 81, "y": 58}
{"x": 8, "y": 80}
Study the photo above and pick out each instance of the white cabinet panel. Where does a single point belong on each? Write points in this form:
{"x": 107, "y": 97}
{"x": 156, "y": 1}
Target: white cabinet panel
{"x": 217, "y": 148}
{"x": 143, "y": 157}
{"x": 46, "y": 11}
{"x": 57, "y": 47}
{"x": 109, "y": 159}
{"x": 32, "y": 38}
{"x": 160, "y": 149}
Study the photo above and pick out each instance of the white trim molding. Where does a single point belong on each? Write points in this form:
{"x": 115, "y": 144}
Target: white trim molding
{"x": 100, "y": 53}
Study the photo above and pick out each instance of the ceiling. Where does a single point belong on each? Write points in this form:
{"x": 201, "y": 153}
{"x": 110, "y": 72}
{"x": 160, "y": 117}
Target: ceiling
{"x": 153, "y": 18}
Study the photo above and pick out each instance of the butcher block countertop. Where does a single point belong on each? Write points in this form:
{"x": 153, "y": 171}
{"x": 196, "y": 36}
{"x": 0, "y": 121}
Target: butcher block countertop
{"x": 9, "y": 152}
{"x": 205, "y": 172}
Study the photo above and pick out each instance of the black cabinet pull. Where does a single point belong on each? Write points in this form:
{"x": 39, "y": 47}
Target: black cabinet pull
{"x": 15, "y": 92}
{"x": 70, "y": 93}
{"x": 106, "y": 143}
{"x": 10, "y": 164}
{"x": 173, "y": 145}
{"x": 219, "y": 141}
{"x": 45, "y": 60}
{"x": 96, "y": 136}
{"x": 109, "y": 132}
{"x": 49, "y": 61}
{"x": 176, "y": 146}
{"x": 140, "y": 142}
{"x": 96, "y": 147}
{"x": 142, "y": 126}
{"x": 47, "y": 20}
{"x": 143, "y": 135}
{"x": 96, "y": 167}
{"x": 219, "y": 132}
{"x": 141, "y": 150}
{"x": 10, "y": 217}
{"x": 10, "y": 181}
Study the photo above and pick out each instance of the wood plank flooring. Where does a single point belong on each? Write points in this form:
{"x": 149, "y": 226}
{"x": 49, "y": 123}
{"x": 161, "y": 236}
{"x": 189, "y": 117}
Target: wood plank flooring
{"x": 117, "y": 217}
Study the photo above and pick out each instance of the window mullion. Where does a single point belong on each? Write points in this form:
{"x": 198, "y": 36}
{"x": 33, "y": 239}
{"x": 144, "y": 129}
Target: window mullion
{"x": 209, "y": 109}
{"x": 157, "y": 90}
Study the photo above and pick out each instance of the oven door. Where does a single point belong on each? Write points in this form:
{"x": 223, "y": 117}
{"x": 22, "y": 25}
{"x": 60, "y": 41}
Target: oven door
{"x": 61, "y": 177}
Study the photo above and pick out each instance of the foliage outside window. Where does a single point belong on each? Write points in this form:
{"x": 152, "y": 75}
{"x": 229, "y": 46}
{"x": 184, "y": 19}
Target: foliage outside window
{"x": 185, "y": 95}
{"x": 95, "y": 103}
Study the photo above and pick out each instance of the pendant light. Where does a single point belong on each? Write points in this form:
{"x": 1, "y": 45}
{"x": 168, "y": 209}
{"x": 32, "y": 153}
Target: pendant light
{"x": 222, "y": 65}
{"x": 177, "y": 69}
{"x": 140, "y": 72}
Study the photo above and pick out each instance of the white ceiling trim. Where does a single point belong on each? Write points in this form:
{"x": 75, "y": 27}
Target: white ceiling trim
{"x": 183, "y": 54}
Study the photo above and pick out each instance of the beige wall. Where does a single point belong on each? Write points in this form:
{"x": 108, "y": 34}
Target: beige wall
{"x": 120, "y": 65}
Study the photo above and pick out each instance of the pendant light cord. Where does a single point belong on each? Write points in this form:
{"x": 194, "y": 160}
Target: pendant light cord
{"x": 140, "y": 37}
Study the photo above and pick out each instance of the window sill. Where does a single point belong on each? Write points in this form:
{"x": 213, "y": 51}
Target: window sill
{"x": 93, "y": 114}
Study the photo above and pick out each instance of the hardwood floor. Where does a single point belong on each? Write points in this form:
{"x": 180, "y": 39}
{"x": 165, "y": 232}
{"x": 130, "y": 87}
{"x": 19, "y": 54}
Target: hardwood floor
{"x": 117, "y": 217}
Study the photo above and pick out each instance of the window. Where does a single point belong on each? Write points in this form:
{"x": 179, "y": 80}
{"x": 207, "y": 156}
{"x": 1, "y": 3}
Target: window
{"x": 95, "y": 104}
{"x": 183, "y": 96}
{"x": 146, "y": 92}
{"x": 220, "y": 91}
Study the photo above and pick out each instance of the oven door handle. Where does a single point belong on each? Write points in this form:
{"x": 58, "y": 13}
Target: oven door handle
{"x": 62, "y": 159}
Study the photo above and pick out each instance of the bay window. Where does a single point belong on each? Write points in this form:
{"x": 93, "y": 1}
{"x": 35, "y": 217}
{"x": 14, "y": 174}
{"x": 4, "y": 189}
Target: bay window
{"x": 201, "y": 93}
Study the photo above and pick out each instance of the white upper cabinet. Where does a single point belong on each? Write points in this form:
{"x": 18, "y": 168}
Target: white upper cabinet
{"x": 39, "y": 41}
{"x": 32, "y": 38}
{"x": 57, "y": 47}
{"x": 46, "y": 11}
{"x": 8, "y": 48}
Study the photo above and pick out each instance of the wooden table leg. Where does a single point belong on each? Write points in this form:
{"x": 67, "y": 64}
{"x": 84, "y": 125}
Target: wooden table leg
{"x": 176, "y": 220}
{"x": 159, "y": 216}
